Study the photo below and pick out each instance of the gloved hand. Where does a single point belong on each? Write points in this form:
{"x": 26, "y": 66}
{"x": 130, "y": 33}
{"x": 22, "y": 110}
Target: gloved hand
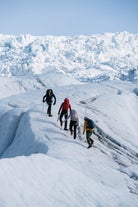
{"x": 43, "y": 101}
{"x": 83, "y": 133}
{"x": 54, "y": 103}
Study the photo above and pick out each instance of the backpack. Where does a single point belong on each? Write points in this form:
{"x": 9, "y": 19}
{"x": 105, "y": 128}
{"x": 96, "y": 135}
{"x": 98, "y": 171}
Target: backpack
{"x": 90, "y": 124}
{"x": 66, "y": 104}
{"x": 74, "y": 115}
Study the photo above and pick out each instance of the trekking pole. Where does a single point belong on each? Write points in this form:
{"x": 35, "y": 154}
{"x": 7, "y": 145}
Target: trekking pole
{"x": 58, "y": 117}
{"x": 43, "y": 106}
{"x": 79, "y": 133}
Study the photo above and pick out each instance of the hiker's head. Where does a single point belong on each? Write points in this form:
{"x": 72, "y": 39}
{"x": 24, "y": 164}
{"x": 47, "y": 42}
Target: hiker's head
{"x": 66, "y": 100}
{"x": 85, "y": 118}
{"x": 49, "y": 92}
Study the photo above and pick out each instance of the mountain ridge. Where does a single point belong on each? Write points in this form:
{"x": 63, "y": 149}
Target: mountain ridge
{"x": 86, "y": 58}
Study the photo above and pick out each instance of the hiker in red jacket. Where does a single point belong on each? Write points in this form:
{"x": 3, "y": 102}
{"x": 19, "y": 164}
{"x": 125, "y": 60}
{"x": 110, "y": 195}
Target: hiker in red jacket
{"x": 65, "y": 106}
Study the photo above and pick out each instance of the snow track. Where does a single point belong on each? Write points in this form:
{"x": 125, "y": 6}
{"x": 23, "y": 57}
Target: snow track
{"x": 113, "y": 144}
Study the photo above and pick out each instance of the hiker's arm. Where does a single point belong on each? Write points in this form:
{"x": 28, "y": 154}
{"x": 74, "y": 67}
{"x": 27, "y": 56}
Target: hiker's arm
{"x": 44, "y": 98}
{"x": 70, "y": 109}
{"x": 54, "y": 99}
{"x": 60, "y": 108}
{"x": 84, "y": 127}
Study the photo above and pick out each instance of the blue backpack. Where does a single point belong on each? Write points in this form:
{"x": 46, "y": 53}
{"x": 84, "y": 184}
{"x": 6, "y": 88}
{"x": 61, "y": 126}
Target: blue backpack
{"x": 90, "y": 124}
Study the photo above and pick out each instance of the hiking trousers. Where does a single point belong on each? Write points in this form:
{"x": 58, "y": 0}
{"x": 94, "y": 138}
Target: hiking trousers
{"x": 65, "y": 114}
{"x": 49, "y": 108}
{"x": 88, "y": 137}
{"x": 73, "y": 127}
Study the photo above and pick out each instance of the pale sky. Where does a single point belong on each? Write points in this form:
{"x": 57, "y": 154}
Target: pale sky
{"x": 68, "y": 17}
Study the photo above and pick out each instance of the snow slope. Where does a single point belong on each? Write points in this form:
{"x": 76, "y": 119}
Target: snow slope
{"x": 42, "y": 165}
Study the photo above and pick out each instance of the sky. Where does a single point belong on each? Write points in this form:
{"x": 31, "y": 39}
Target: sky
{"x": 68, "y": 17}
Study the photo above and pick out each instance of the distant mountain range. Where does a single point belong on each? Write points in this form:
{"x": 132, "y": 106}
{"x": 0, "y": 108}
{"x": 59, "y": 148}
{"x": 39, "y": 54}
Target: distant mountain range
{"x": 86, "y": 58}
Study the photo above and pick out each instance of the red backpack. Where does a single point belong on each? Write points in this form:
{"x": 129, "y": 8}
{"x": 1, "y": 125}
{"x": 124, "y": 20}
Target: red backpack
{"x": 66, "y": 104}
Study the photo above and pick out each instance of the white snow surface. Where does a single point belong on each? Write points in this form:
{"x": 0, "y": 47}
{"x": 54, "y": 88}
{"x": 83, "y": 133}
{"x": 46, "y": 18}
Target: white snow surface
{"x": 86, "y": 58}
{"x": 41, "y": 165}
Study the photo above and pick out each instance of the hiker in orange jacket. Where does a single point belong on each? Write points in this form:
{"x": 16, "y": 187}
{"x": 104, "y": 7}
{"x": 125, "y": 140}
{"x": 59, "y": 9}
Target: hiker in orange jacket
{"x": 89, "y": 128}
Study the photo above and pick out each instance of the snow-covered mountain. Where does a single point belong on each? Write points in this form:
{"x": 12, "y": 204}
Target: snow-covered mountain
{"x": 41, "y": 165}
{"x": 86, "y": 58}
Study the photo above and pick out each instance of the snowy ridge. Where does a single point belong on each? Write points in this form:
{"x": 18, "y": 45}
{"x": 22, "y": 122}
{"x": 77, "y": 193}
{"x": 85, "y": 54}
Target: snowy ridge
{"x": 46, "y": 166}
{"x": 43, "y": 165}
{"x": 87, "y": 58}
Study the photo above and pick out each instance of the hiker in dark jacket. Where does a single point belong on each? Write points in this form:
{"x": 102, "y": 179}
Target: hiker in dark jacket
{"x": 65, "y": 106}
{"x": 48, "y": 98}
{"x": 89, "y": 128}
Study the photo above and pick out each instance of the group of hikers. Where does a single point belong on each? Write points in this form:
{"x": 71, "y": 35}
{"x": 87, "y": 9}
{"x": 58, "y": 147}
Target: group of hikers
{"x": 64, "y": 108}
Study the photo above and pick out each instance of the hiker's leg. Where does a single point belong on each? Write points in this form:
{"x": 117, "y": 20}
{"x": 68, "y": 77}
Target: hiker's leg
{"x": 49, "y": 108}
{"x": 88, "y": 134}
{"x": 66, "y": 119}
{"x": 70, "y": 127}
{"x": 60, "y": 118}
{"x": 75, "y": 128}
